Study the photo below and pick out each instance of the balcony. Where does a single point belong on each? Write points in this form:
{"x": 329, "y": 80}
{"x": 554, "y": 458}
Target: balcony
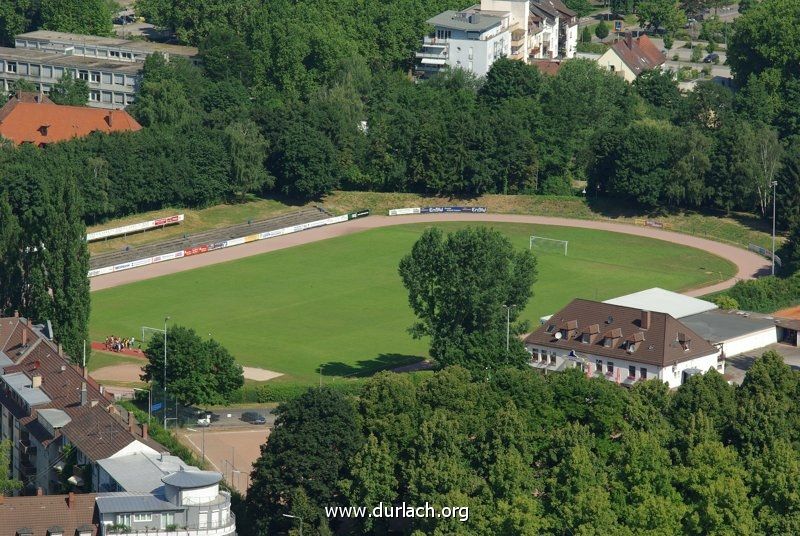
{"x": 517, "y": 38}
{"x": 229, "y": 529}
{"x": 430, "y": 41}
{"x": 26, "y": 448}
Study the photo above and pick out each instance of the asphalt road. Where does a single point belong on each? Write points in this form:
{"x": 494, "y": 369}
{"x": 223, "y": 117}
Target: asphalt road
{"x": 232, "y": 418}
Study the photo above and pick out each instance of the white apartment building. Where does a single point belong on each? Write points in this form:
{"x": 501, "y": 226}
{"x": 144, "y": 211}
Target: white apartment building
{"x": 474, "y": 38}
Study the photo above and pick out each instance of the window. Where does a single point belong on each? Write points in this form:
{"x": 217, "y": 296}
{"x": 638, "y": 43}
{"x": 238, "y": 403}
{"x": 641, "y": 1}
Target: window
{"x": 142, "y": 517}
{"x": 106, "y": 78}
{"x": 130, "y": 81}
{"x": 607, "y": 342}
{"x": 47, "y": 72}
{"x": 94, "y": 96}
{"x": 470, "y": 52}
{"x": 83, "y": 75}
{"x": 643, "y": 372}
{"x": 585, "y": 338}
{"x": 551, "y": 328}
{"x": 95, "y": 77}
{"x": 113, "y": 53}
{"x": 11, "y": 66}
{"x": 58, "y": 72}
{"x": 631, "y": 371}
{"x": 552, "y": 358}
{"x": 119, "y": 79}
{"x": 610, "y": 367}
{"x": 215, "y": 518}
{"x": 124, "y": 519}
{"x": 599, "y": 364}
{"x": 118, "y": 98}
{"x": 203, "y": 520}
{"x": 129, "y": 99}
{"x": 127, "y": 55}
{"x": 106, "y": 97}
{"x": 34, "y": 70}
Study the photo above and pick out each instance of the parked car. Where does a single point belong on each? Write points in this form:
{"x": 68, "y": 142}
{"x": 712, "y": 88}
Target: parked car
{"x": 711, "y": 58}
{"x": 253, "y": 417}
{"x": 205, "y": 420}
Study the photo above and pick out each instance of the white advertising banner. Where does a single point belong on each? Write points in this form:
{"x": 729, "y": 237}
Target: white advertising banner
{"x": 134, "y": 227}
{"x": 404, "y": 211}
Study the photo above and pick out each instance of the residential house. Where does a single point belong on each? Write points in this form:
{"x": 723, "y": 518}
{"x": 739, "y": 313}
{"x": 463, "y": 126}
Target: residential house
{"x": 138, "y": 472}
{"x": 630, "y": 57}
{"x": 189, "y": 503}
{"x": 111, "y": 67}
{"x": 33, "y": 118}
{"x": 474, "y": 38}
{"x": 621, "y": 344}
{"x": 59, "y": 421}
{"x": 49, "y": 515}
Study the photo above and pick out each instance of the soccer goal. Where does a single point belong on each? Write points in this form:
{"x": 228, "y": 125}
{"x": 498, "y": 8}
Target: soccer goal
{"x": 148, "y": 333}
{"x": 541, "y": 243}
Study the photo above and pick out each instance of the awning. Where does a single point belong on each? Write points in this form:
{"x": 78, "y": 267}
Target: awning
{"x": 59, "y": 466}
{"x": 432, "y": 61}
{"x": 75, "y": 481}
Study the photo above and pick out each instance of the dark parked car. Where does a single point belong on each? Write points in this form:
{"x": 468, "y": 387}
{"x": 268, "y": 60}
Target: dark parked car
{"x": 253, "y": 417}
{"x": 711, "y": 58}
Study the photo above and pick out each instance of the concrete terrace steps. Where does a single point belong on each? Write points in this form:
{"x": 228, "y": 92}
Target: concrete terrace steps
{"x": 132, "y": 253}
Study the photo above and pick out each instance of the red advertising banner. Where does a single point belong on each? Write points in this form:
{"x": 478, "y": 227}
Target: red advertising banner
{"x": 197, "y": 250}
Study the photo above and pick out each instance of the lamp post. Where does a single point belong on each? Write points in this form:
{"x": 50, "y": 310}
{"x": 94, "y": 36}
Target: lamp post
{"x": 508, "y": 323}
{"x": 165, "y": 372}
{"x": 296, "y": 517}
{"x": 320, "y": 374}
{"x": 774, "y": 185}
{"x": 149, "y": 402}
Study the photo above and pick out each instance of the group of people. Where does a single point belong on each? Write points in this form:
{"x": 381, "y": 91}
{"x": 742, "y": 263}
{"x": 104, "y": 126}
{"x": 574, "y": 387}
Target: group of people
{"x": 115, "y": 344}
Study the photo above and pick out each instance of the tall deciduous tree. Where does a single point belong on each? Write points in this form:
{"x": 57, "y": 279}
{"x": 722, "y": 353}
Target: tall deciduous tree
{"x": 248, "y": 150}
{"x": 89, "y": 17}
{"x": 7, "y": 484}
{"x": 457, "y": 286}
{"x": 789, "y": 190}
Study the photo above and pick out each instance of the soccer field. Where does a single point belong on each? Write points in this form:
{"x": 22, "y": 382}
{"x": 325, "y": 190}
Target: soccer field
{"x": 340, "y": 302}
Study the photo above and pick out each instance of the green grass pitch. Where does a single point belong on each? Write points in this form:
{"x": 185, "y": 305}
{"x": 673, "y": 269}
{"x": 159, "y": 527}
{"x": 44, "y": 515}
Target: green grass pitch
{"x": 340, "y": 302}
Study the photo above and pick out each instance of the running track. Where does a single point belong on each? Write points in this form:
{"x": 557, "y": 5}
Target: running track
{"x": 749, "y": 265}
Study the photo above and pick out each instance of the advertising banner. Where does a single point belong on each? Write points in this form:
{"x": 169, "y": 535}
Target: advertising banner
{"x": 134, "y": 227}
{"x": 196, "y": 250}
{"x": 168, "y": 256}
{"x": 439, "y": 210}
{"x": 358, "y": 214}
{"x": 404, "y": 211}
{"x": 218, "y": 245}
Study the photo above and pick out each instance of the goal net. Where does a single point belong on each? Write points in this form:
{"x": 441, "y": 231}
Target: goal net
{"x": 540, "y": 243}
{"x": 148, "y": 333}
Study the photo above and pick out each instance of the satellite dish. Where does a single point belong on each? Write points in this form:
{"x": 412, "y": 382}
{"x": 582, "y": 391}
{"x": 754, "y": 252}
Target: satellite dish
{"x": 558, "y": 335}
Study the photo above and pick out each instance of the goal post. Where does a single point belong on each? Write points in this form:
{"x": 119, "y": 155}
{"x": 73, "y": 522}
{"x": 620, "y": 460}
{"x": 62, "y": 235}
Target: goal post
{"x": 541, "y": 243}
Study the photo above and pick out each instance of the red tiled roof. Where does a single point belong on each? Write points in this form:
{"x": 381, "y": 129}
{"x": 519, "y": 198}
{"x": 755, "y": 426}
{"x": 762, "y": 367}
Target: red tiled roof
{"x": 23, "y": 120}
{"x": 40, "y": 513}
{"x": 96, "y": 430}
{"x": 661, "y": 341}
{"x": 550, "y": 67}
{"x": 638, "y": 54}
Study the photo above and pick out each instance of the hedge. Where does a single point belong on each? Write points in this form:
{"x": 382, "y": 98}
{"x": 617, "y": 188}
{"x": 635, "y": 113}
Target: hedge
{"x": 281, "y": 392}
{"x": 767, "y": 294}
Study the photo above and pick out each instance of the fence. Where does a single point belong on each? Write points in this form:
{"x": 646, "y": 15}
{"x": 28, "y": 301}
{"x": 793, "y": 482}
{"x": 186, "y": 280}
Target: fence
{"x": 765, "y": 252}
{"x": 653, "y": 223}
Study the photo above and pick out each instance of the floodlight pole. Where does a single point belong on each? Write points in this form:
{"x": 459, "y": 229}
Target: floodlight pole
{"x": 165, "y": 372}
{"x": 508, "y": 324}
{"x": 774, "y": 192}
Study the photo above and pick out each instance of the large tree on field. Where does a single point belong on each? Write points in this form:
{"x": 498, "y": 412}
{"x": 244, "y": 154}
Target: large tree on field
{"x": 457, "y": 286}
{"x": 198, "y": 371}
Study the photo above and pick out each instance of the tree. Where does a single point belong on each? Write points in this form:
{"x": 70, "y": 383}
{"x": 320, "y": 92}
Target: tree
{"x": 15, "y": 18}
{"x": 764, "y": 39}
{"x": 8, "y": 485}
{"x": 198, "y": 372}
{"x": 788, "y": 195}
{"x": 658, "y": 14}
{"x": 88, "y": 17}
{"x": 457, "y": 286}
{"x": 508, "y": 79}
{"x": 601, "y": 30}
{"x": 314, "y": 438}
{"x": 70, "y": 91}
{"x": 768, "y": 156}
{"x": 304, "y": 162}
{"x": 586, "y": 35}
{"x": 580, "y": 7}
{"x": 226, "y": 55}
{"x": 247, "y": 148}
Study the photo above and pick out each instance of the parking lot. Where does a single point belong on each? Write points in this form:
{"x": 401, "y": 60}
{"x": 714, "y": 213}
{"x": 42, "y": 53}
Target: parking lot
{"x": 736, "y": 367}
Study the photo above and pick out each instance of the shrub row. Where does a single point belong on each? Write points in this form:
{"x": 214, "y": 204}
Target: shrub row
{"x": 767, "y": 294}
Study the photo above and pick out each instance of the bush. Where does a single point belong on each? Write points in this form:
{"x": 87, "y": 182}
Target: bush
{"x": 282, "y": 392}
{"x": 601, "y": 30}
{"x": 767, "y": 294}
{"x": 706, "y": 70}
{"x": 592, "y": 48}
{"x": 669, "y": 41}
{"x": 711, "y": 47}
{"x": 697, "y": 53}
{"x": 726, "y": 303}
{"x": 586, "y": 35}
{"x": 675, "y": 57}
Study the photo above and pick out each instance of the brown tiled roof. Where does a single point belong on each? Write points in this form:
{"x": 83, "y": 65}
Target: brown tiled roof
{"x": 22, "y": 120}
{"x": 96, "y": 429}
{"x": 39, "y": 513}
{"x": 550, "y": 67}
{"x": 638, "y": 54}
{"x": 662, "y": 342}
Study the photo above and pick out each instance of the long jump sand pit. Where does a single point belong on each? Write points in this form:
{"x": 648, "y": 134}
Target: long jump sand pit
{"x": 260, "y": 374}
{"x": 231, "y": 452}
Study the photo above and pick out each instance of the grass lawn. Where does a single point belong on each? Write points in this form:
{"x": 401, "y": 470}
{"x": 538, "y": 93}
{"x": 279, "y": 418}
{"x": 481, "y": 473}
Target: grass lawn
{"x": 102, "y": 359}
{"x": 340, "y": 302}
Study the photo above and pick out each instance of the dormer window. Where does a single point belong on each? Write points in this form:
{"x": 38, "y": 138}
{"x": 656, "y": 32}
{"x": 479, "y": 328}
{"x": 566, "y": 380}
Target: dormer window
{"x": 551, "y": 328}
{"x": 607, "y": 342}
{"x": 585, "y": 338}
{"x": 684, "y": 341}
{"x": 43, "y": 130}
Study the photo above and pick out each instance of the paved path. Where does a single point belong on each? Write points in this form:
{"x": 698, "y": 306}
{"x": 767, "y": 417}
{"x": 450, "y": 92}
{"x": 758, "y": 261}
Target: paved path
{"x": 749, "y": 265}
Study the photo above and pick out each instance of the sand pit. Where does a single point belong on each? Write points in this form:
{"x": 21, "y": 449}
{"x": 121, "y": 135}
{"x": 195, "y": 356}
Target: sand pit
{"x": 119, "y": 373}
{"x": 260, "y": 374}
{"x": 231, "y": 452}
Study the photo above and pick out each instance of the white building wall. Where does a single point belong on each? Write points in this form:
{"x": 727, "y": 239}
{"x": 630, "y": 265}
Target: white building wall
{"x": 571, "y": 44}
{"x": 673, "y": 376}
{"x": 478, "y": 56}
{"x": 752, "y": 341}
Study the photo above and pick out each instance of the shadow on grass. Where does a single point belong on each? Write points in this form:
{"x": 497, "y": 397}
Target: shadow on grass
{"x": 367, "y": 367}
